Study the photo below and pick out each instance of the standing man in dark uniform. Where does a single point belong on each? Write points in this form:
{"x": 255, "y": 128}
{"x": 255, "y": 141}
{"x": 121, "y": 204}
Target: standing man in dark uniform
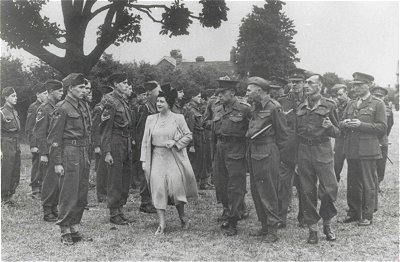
{"x": 317, "y": 121}
{"x": 289, "y": 103}
{"x": 100, "y": 165}
{"x": 230, "y": 124}
{"x": 178, "y": 107}
{"x": 381, "y": 93}
{"x": 37, "y": 171}
{"x": 50, "y": 187}
{"x": 149, "y": 108}
{"x": 116, "y": 143}
{"x": 10, "y": 145}
{"x": 364, "y": 122}
{"x": 341, "y": 98}
{"x": 69, "y": 150}
{"x": 266, "y": 137}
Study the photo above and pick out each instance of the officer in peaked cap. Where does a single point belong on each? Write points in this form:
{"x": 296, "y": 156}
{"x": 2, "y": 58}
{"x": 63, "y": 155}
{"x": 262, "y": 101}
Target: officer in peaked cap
{"x": 379, "y": 92}
{"x": 277, "y": 85}
{"x": 364, "y": 121}
{"x": 230, "y": 123}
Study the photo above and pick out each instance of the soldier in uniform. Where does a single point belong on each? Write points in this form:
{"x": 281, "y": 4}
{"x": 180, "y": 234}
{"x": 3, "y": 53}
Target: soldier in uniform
{"x": 116, "y": 142}
{"x": 37, "y": 171}
{"x": 364, "y": 121}
{"x": 194, "y": 119}
{"x": 206, "y": 95}
{"x": 230, "y": 124}
{"x": 381, "y": 93}
{"x": 289, "y": 103}
{"x": 149, "y": 108}
{"x": 50, "y": 187}
{"x": 341, "y": 98}
{"x": 10, "y": 145}
{"x": 69, "y": 150}
{"x": 100, "y": 165}
{"x": 266, "y": 137}
{"x": 317, "y": 121}
{"x": 178, "y": 107}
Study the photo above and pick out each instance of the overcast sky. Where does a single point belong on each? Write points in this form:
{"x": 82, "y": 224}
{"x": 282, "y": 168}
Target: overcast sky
{"x": 341, "y": 37}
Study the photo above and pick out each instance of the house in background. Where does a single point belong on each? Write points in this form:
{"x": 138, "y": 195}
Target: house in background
{"x": 175, "y": 61}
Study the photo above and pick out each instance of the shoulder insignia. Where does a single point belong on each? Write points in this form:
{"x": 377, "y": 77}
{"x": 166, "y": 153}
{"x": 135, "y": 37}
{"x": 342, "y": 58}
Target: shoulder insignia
{"x": 244, "y": 103}
{"x": 39, "y": 115}
{"x": 54, "y": 144}
{"x": 105, "y": 115}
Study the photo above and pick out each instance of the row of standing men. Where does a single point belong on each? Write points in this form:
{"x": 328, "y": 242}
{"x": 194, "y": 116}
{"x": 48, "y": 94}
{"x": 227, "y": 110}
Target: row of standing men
{"x": 263, "y": 140}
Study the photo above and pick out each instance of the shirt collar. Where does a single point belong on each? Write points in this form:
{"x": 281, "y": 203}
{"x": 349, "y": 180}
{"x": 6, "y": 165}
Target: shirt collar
{"x": 51, "y": 102}
{"x": 364, "y": 98}
{"x": 72, "y": 100}
{"x": 265, "y": 101}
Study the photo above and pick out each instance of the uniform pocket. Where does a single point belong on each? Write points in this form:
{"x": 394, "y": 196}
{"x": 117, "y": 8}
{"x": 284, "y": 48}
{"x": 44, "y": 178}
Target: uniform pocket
{"x": 236, "y": 118}
{"x": 264, "y": 113}
{"x": 369, "y": 146}
{"x": 259, "y": 157}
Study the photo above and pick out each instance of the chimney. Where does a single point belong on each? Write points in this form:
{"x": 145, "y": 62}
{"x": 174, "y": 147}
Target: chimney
{"x": 177, "y": 55}
{"x": 200, "y": 59}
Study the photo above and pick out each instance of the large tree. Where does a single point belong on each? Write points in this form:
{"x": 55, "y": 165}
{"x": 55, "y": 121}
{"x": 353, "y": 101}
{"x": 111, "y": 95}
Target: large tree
{"x": 265, "y": 46}
{"x": 24, "y": 26}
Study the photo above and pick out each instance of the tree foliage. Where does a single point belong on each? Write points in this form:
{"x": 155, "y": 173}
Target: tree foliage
{"x": 265, "y": 46}
{"x": 24, "y": 26}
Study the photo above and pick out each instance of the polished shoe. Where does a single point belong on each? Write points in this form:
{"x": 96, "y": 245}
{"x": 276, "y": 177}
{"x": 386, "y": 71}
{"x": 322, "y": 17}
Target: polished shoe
{"x": 160, "y": 231}
{"x": 66, "y": 239}
{"x": 313, "y": 237}
{"x": 76, "y": 237}
{"x": 185, "y": 224}
{"x": 330, "y": 235}
{"x": 349, "y": 219}
{"x": 50, "y": 218}
{"x": 364, "y": 222}
{"x": 207, "y": 186}
{"x": 259, "y": 232}
{"x": 281, "y": 225}
{"x": 225, "y": 225}
{"x": 231, "y": 231}
{"x": 118, "y": 220}
{"x": 148, "y": 208}
{"x": 270, "y": 238}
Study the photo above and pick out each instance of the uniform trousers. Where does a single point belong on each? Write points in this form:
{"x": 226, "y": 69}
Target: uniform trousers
{"x": 339, "y": 157}
{"x": 263, "y": 160}
{"x": 37, "y": 173}
{"x": 362, "y": 187}
{"x": 74, "y": 185}
{"x": 50, "y": 189}
{"x": 119, "y": 174}
{"x": 10, "y": 166}
{"x": 381, "y": 163}
{"x": 315, "y": 164}
{"x": 230, "y": 176}
{"x": 101, "y": 177}
{"x": 286, "y": 173}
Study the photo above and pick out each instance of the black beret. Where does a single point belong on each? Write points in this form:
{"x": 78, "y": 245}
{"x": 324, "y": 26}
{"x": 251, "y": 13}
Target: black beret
{"x": 39, "y": 88}
{"x": 139, "y": 90}
{"x": 7, "y": 91}
{"x": 117, "y": 78}
{"x": 191, "y": 92}
{"x": 73, "y": 79}
{"x": 150, "y": 85}
{"x": 51, "y": 85}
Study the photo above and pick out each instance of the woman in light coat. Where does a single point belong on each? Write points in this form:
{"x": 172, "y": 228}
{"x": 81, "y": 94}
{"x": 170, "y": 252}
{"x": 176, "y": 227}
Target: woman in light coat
{"x": 165, "y": 161}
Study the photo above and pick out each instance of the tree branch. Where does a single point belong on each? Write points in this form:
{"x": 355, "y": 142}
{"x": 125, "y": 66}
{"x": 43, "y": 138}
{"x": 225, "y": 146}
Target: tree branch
{"x": 149, "y": 15}
{"x": 88, "y": 7}
{"x": 56, "y": 42}
{"x": 195, "y": 17}
{"x": 101, "y": 9}
{"x": 148, "y": 7}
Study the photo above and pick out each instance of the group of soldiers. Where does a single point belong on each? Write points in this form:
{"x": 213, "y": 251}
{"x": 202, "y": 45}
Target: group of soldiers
{"x": 280, "y": 133}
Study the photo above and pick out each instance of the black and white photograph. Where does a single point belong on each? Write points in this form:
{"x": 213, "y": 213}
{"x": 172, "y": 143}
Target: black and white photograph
{"x": 199, "y": 130}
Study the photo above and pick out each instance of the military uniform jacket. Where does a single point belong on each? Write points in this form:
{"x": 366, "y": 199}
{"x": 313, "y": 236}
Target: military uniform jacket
{"x": 30, "y": 123}
{"x": 68, "y": 123}
{"x": 144, "y": 110}
{"x": 97, "y": 111}
{"x": 194, "y": 120}
{"x": 42, "y": 125}
{"x": 10, "y": 124}
{"x": 116, "y": 118}
{"x": 309, "y": 120}
{"x": 231, "y": 120}
{"x": 363, "y": 142}
{"x": 268, "y": 113}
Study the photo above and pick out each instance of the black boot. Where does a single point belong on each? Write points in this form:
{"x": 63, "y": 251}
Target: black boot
{"x": 330, "y": 235}
{"x": 232, "y": 228}
{"x": 313, "y": 237}
{"x": 272, "y": 235}
{"x": 260, "y": 232}
{"x": 224, "y": 216}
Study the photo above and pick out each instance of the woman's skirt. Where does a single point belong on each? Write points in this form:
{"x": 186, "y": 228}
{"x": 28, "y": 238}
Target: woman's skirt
{"x": 166, "y": 180}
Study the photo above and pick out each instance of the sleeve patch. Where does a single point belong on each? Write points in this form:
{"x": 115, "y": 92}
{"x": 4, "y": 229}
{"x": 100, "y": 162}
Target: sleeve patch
{"x": 39, "y": 116}
{"x": 105, "y": 115}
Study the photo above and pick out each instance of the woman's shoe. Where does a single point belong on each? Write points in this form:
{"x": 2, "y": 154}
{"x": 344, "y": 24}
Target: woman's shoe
{"x": 160, "y": 231}
{"x": 185, "y": 224}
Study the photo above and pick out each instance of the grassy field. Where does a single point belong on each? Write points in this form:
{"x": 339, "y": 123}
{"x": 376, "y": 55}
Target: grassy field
{"x": 25, "y": 236}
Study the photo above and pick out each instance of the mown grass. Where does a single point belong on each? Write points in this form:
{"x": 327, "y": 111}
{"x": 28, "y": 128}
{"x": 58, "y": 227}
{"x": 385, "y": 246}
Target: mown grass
{"x": 25, "y": 236}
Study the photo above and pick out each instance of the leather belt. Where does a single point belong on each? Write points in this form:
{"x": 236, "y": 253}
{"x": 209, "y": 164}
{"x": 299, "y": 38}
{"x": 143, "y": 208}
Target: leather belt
{"x": 262, "y": 140}
{"x": 229, "y": 139}
{"x": 76, "y": 142}
{"x": 313, "y": 141}
{"x": 123, "y": 133}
